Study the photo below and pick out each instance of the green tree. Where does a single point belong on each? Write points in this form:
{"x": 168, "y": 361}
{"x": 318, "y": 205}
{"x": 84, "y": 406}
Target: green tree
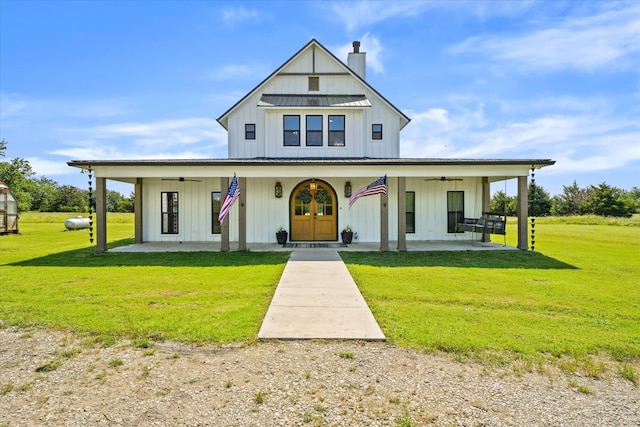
{"x": 113, "y": 198}
{"x": 539, "y": 201}
{"x": 69, "y": 199}
{"x": 502, "y": 203}
{"x": 16, "y": 174}
{"x": 43, "y": 191}
{"x": 634, "y": 194}
{"x": 126, "y": 204}
{"x": 116, "y": 202}
{"x": 571, "y": 201}
{"x": 609, "y": 201}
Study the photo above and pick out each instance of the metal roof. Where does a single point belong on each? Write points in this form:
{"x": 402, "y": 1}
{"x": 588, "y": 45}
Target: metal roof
{"x": 294, "y": 100}
{"x": 315, "y": 162}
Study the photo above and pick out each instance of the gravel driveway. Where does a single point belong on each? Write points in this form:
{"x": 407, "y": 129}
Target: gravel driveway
{"x": 56, "y": 379}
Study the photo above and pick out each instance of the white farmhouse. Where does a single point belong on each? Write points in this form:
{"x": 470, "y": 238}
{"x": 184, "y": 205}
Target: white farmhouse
{"x": 300, "y": 143}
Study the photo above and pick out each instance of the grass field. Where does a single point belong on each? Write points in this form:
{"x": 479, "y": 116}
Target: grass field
{"x": 577, "y": 294}
{"x": 52, "y": 278}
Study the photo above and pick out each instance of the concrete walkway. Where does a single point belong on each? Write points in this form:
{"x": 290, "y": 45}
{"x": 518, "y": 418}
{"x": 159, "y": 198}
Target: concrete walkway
{"x": 317, "y": 298}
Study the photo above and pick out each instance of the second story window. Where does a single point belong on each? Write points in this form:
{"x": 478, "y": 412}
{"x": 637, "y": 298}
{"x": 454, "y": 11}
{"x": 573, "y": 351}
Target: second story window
{"x": 314, "y": 131}
{"x": 336, "y": 131}
{"x": 376, "y": 131}
{"x": 250, "y": 131}
{"x": 291, "y": 131}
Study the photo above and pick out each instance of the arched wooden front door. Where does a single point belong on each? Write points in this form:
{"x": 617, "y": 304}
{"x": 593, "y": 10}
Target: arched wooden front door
{"x": 314, "y": 212}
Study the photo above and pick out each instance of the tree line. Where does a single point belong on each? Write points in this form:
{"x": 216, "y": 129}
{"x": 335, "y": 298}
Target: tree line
{"x": 45, "y": 195}
{"x": 601, "y": 199}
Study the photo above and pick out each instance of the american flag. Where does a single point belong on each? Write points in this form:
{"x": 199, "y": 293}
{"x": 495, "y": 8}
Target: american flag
{"x": 232, "y": 195}
{"x": 379, "y": 186}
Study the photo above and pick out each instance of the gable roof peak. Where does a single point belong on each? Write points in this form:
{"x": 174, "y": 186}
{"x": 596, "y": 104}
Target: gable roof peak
{"x": 405, "y": 120}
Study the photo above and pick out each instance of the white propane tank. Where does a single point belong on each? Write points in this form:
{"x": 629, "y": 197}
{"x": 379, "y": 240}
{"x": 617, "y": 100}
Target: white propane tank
{"x": 77, "y": 223}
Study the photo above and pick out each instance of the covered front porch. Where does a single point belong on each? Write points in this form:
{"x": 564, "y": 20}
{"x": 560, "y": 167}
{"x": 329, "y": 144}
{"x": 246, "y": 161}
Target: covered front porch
{"x": 382, "y": 220}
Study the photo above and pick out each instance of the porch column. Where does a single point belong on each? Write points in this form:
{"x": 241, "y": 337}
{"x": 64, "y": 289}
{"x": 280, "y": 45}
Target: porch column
{"x": 137, "y": 209}
{"x": 101, "y": 215}
{"x": 224, "y": 226}
{"x": 486, "y": 203}
{"x": 384, "y": 222}
{"x": 523, "y": 213}
{"x": 402, "y": 213}
{"x": 242, "y": 217}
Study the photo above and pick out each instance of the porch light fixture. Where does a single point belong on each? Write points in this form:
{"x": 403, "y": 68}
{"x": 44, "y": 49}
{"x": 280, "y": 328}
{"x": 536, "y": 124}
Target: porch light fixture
{"x": 347, "y": 189}
{"x": 313, "y": 186}
{"x": 278, "y": 190}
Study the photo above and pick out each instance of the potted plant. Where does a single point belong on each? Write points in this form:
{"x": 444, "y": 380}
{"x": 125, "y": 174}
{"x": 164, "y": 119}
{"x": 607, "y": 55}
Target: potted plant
{"x": 347, "y": 235}
{"x": 281, "y": 236}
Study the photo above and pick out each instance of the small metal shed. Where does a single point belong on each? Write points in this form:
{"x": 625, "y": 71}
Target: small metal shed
{"x": 8, "y": 211}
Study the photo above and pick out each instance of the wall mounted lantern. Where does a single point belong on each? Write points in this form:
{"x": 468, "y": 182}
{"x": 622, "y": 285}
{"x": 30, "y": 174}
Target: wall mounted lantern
{"x": 347, "y": 189}
{"x": 313, "y": 186}
{"x": 278, "y": 190}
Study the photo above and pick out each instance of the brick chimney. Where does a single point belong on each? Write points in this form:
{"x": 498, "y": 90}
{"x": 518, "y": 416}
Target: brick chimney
{"x": 357, "y": 61}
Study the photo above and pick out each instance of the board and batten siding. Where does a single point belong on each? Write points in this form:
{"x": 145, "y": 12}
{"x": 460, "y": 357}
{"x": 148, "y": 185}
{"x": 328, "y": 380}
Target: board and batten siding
{"x": 269, "y": 120}
{"x": 353, "y": 135}
{"x": 431, "y": 206}
{"x": 312, "y": 60}
{"x": 266, "y": 213}
{"x": 269, "y": 133}
{"x": 238, "y": 147}
{"x": 194, "y": 210}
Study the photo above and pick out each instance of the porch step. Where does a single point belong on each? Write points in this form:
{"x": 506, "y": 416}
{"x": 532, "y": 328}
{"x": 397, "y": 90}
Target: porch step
{"x": 313, "y": 245}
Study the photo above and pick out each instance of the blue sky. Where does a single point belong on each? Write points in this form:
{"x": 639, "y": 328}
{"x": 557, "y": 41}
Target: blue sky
{"x": 125, "y": 79}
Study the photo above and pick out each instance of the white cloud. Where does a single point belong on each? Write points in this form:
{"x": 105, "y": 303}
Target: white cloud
{"x": 358, "y": 14}
{"x": 48, "y": 167}
{"x": 151, "y": 140}
{"x": 180, "y": 131}
{"x": 579, "y": 143}
{"x": 13, "y": 105}
{"x": 240, "y": 15}
{"x": 365, "y": 13}
{"x": 236, "y": 72}
{"x": 94, "y": 152}
{"x": 368, "y": 44}
{"x": 609, "y": 39}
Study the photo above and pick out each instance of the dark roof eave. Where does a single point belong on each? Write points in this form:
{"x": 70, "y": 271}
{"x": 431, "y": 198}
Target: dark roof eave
{"x": 314, "y": 162}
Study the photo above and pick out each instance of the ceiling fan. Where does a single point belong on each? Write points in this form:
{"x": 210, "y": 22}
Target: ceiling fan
{"x": 443, "y": 178}
{"x": 181, "y": 179}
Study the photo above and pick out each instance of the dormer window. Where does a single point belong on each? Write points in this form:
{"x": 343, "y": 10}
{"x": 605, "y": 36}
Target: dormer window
{"x": 314, "y": 83}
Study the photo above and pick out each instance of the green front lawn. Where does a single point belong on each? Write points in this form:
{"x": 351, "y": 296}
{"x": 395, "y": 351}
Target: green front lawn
{"x": 577, "y": 294}
{"x": 52, "y": 278}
